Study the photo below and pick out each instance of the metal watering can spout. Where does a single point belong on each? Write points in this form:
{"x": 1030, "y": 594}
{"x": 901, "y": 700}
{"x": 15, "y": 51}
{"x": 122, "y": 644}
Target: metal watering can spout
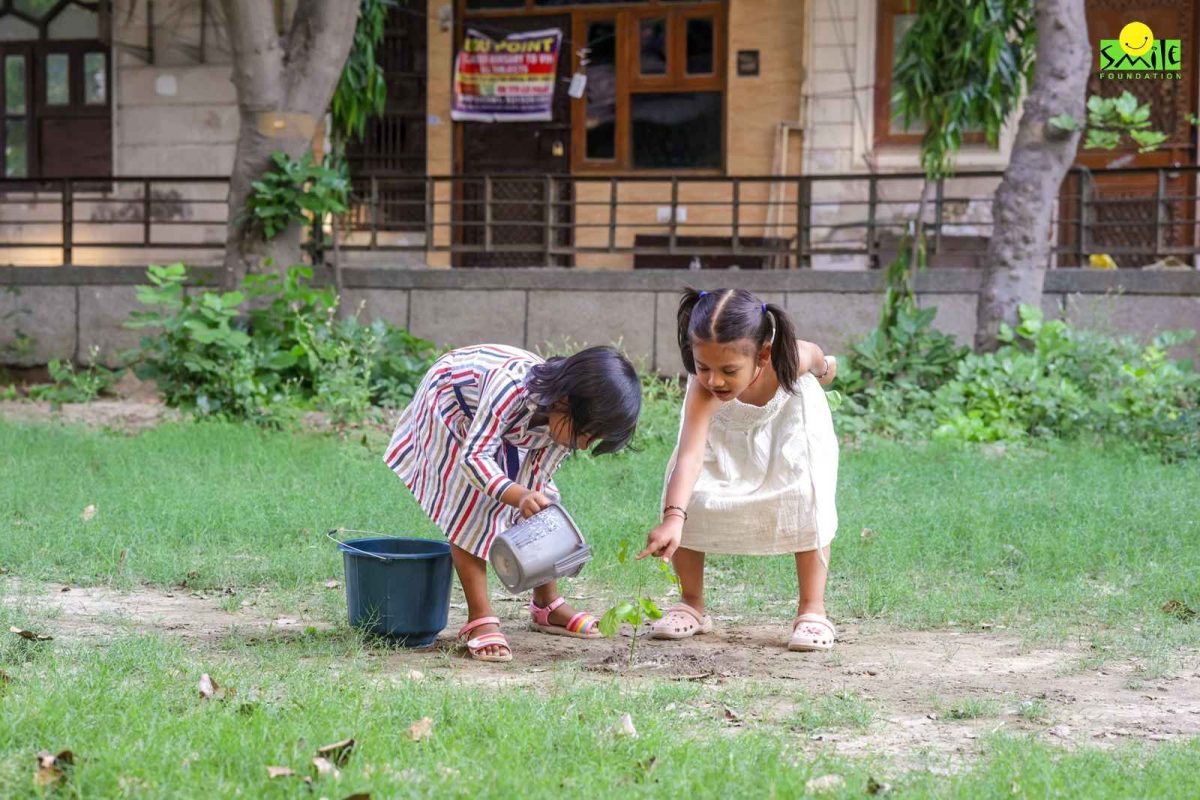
{"x": 538, "y": 550}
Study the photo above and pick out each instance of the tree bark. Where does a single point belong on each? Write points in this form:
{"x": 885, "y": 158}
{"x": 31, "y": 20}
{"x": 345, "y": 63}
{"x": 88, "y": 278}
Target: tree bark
{"x": 284, "y": 85}
{"x": 1042, "y": 154}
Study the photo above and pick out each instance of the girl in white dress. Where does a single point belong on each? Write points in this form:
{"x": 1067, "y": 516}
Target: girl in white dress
{"x": 755, "y": 468}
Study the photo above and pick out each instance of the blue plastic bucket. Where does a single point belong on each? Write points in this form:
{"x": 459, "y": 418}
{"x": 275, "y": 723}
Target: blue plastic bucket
{"x": 397, "y": 587}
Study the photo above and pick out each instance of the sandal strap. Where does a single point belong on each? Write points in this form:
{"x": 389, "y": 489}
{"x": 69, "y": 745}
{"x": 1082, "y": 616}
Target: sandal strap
{"x": 488, "y": 640}
{"x": 684, "y": 608}
{"x": 815, "y": 619}
{"x": 542, "y": 615}
{"x": 581, "y": 622}
{"x": 475, "y": 623}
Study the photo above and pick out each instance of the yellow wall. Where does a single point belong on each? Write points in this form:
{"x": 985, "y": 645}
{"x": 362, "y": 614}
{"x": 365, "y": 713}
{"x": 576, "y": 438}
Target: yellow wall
{"x": 439, "y": 153}
{"x": 756, "y": 107}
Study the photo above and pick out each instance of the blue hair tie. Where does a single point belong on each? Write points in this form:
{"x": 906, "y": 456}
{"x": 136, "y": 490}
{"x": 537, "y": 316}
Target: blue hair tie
{"x": 702, "y": 295}
{"x": 764, "y": 308}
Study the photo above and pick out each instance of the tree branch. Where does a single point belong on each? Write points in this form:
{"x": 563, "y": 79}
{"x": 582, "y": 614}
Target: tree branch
{"x": 257, "y": 55}
{"x": 318, "y": 42}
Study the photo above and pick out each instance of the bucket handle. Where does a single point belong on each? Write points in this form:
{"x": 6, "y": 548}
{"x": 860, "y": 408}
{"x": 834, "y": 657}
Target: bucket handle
{"x": 333, "y": 537}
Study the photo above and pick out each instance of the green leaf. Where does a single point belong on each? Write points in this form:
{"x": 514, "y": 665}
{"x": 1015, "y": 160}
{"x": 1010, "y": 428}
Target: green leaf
{"x": 1065, "y": 122}
{"x": 650, "y": 609}
{"x": 610, "y": 623}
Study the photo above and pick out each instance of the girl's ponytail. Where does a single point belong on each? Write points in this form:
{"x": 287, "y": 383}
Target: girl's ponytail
{"x": 687, "y": 304}
{"x": 785, "y": 354}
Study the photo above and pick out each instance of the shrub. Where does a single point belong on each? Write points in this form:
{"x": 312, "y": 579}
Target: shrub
{"x": 1046, "y": 380}
{"x": 271, "y": 349}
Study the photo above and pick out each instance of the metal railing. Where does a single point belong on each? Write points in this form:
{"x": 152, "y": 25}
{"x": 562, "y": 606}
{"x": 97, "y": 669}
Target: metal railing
{"x": 1134, "y": 215}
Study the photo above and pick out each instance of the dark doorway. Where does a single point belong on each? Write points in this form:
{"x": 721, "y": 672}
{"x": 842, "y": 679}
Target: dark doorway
{"x": 387, "y": 166}
{"x": 521, "y": 160}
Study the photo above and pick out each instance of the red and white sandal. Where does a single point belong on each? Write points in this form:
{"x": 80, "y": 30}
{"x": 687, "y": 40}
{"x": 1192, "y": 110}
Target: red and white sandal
{"x": 476, "y": 645}
{"x": 812, "y": 632}
{"x": 581, "y": 626}
{"x": 679, "y": 622}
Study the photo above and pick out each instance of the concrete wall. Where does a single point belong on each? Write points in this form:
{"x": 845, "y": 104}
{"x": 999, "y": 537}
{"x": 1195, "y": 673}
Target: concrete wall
{"x": 65, "y": 312}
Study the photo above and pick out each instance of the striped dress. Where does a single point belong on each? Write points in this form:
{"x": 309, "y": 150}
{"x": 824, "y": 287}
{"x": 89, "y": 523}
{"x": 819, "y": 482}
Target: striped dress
{"x": 467, "y": 436}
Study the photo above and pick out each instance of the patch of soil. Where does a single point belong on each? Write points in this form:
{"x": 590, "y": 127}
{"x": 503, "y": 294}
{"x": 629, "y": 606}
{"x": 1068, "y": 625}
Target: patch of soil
{"x": 98, "y": 613}
{"x": 128, "y": 416}
{"x": 907, "y": 676}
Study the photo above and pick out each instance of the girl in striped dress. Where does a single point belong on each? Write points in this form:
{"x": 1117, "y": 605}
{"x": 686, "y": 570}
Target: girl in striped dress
{"x": 479, "y": 445}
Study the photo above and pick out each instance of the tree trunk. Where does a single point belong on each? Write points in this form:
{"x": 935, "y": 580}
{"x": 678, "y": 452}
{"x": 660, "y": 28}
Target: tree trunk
{"x": 284, "y": 85}
{"x": 1024, "y": 202}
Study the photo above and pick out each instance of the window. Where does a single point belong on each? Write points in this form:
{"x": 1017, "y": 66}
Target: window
{"x": 655, "y": 97}
{"x": 894, "y": 20}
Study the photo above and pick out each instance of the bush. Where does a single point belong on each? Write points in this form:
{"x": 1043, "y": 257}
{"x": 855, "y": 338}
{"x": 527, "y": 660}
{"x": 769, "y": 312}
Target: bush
{"x": 1046, "y": 380}
{"x": 71, "y": 384}
{"x": 271, "y": 349}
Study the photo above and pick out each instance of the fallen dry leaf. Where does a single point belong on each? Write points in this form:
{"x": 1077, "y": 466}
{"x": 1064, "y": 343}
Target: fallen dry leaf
{"x": 338, "y": 752}
{"x": 50, "y": 769}
{"x": 825, "y": 783}
{"x": 358, "y": 796}
{"x": 331, "y": 584}
{"x": 280, "y": 772}
{"x": 30, "y": 635}
{"x": 1179, "y": 610}
{"x": 867, "y": 534}
{"x": 415, "y": 675}
{"x": 89, "y": 513}
{"x": 325, "y": 767}
{"x": 211, "y": 690}
{"x": 1061, "y": 731}
{"x": 626, "y": 727}
{"x": 876, "y": 788}
{"x": 731, "y": 716}
{"x": 420, "y": 729}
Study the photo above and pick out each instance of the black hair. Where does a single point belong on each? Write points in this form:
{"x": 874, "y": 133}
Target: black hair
{"x": 601, "y": 390}
{"x": 731, "y": 315}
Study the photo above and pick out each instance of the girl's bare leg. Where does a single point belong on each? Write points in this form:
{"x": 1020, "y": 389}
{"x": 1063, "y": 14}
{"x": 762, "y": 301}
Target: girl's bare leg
{"x": 812, "y": 572}
{"x": 689, "y": 567}
{"x": 472, "y": 574}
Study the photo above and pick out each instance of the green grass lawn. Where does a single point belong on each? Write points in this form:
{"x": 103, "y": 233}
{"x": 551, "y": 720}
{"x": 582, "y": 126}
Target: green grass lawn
{"x": 1067, "y": 542}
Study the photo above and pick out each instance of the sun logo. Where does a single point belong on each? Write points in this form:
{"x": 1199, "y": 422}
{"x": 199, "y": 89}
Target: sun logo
{"x": 1136, "y": 38}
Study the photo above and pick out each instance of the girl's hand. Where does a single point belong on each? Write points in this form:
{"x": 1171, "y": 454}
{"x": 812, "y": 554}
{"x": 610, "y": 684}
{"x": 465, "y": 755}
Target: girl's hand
{"x": 830, "y": 371}
{"x": 663, "y": 541}
{"x": 531, "y": 503}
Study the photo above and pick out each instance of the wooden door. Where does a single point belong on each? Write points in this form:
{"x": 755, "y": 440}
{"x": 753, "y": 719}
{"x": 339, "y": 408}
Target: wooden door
{"x": 1128, "y": 215}
{"x": 518, "y": 158}
{"x": 71, "y": 102}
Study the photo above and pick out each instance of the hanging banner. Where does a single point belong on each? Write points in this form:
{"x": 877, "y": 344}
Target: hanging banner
{"x": 506, "y": 80}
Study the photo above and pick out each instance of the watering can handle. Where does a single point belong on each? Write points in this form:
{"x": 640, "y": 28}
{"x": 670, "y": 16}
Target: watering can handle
{"x": 351, "y": 547}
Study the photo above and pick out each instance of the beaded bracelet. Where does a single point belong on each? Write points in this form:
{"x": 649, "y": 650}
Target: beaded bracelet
{"x": 674, "y": 508}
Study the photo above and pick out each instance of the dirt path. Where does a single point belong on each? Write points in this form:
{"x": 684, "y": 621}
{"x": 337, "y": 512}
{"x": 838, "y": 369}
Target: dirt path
{"x": 906, "y": 676}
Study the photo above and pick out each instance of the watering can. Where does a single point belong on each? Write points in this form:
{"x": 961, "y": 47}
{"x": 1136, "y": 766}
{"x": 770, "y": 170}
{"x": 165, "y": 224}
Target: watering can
{"x": 540, "y": 549}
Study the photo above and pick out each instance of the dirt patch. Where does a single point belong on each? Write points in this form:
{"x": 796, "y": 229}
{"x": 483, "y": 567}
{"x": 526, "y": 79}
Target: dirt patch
{"x": 129, "y": 416}
{"x": 910, "y": 680}
{"x": 99, "y": 613}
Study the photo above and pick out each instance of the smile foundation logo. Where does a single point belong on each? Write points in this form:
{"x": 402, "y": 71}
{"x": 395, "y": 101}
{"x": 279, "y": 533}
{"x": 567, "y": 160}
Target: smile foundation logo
{"x": 1137, "y": 54}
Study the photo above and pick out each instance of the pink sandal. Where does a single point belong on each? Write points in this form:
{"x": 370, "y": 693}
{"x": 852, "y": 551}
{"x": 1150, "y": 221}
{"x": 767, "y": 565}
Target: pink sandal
{"x": 476, "y": 645}
{"x": 812, "y": 632}
{"x": 581, "y": 626}
{"x": 679, "y": 622}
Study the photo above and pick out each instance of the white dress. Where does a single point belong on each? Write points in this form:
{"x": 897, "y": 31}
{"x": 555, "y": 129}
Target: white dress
{"x": 769, "y": 478}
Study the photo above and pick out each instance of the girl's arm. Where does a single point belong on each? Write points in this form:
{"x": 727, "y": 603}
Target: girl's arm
{"x": 814, "y": 360}
{"x": 698, "y": 408}
{"x": 500, "y": 407}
